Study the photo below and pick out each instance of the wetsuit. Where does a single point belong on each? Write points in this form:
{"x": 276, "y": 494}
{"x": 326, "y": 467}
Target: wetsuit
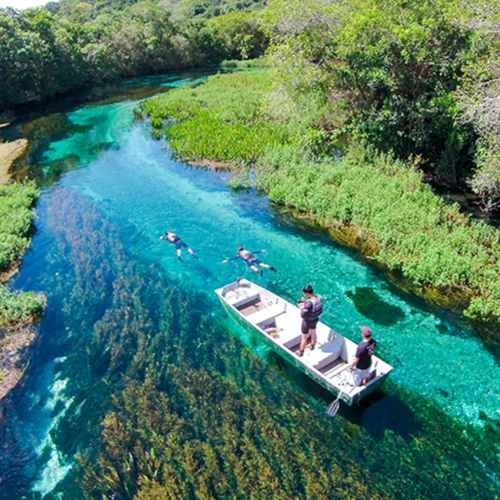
{"x": 173, "y": 238}
{"x": 248, "y": 257}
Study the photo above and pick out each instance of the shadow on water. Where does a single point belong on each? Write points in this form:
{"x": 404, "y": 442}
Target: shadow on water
{"x": 378, "y": 412}
{"x": 369, "y": 304}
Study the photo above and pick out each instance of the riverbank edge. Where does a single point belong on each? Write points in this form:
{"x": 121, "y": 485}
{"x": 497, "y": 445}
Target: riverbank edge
{"x": 463, "y": 299}
{"x": 454, "y": 299}
{"x": 17, "y": 338}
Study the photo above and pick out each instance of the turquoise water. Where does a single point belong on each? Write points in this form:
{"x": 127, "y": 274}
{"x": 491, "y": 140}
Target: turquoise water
{"x": 431, "y": 433}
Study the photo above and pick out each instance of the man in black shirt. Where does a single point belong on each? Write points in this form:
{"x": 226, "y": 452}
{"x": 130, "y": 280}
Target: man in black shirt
{"x": 363, "y": 359}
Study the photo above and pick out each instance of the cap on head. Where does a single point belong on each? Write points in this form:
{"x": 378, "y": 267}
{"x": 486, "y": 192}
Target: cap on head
{"x": 308, "y": 289}
{"x": 366, "y": 331}
{"x": 240, "y": 248}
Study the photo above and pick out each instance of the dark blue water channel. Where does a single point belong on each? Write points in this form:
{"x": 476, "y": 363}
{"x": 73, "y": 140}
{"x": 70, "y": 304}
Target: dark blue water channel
{"x": 109, "y": 192}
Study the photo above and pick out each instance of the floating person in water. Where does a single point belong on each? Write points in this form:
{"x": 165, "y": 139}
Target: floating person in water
{"x": 251, "y": 260}
{"x": 310, "y": 310}
{"x": 363, "y": 360}
{"x": 179, "y": 244}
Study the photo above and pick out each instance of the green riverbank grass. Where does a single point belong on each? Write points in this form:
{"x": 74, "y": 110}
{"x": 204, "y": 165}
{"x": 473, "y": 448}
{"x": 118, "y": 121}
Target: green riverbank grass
{"x": 222, "y": 120}
{"x": 16, "y": 218}
{"x": 16, "y": 308}
{"x": 382, "y": 204}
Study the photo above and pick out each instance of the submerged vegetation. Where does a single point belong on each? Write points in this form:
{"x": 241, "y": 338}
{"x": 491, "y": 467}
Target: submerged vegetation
{"x": 164, "y": 403}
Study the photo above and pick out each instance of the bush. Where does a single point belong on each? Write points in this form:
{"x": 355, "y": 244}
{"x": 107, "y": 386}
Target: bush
{"x": 18, "y": 306}
{"x": 16, "y": 218}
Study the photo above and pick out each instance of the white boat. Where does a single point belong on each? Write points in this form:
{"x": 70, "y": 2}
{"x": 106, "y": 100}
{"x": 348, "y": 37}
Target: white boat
{"x": 278, "y": 323}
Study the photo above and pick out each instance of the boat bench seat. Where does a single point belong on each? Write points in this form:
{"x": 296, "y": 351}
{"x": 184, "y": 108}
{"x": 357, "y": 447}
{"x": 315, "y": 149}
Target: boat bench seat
{"x": 266, "y": 317}
{"x": 240, "y": 301}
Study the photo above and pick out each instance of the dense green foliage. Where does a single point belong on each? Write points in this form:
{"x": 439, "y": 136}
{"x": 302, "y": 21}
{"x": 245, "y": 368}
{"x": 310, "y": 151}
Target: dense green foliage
{"x": 17, "y": 307}
{"x": 164, "y": 403}
{"x": 391, "y": 67}
{"x": 377, "y": 196}
{"x": 44, "y": 52}
{"x": 415, "y": 77}
{"x": 222, "y": 120}
{"x": 16, "y": 218}
{"x": 381, "y": 200}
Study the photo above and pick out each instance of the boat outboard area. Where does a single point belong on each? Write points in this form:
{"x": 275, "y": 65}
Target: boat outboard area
{"x": 278, "y": 322}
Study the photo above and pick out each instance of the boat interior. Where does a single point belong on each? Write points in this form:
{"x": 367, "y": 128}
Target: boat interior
{"x": 281, "y": 321}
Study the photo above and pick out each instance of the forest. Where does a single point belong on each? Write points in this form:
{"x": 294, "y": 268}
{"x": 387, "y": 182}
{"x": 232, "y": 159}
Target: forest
{"x": 70, "y": 44}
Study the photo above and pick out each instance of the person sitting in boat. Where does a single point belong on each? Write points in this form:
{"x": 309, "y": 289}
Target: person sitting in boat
{"x": 251, "y": 260}
{"x": 179, "y": 244}
{"x": 363, "y": 360}
{"x": 311, "y": 308}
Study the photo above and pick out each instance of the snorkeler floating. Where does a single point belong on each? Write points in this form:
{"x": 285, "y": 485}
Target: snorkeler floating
{"x": 251, "y": 260}
{"x": 179, "y": 244}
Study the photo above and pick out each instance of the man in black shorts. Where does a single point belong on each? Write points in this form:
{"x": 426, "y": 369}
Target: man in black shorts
{"x": 363, "y": 360}
{"x": 179, "y": 244}
{"x": 311, "y": 308}
{"x": 253, "y": 261}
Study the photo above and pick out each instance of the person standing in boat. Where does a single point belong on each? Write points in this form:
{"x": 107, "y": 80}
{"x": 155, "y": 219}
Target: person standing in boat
{"x": 251, "y": 260}
{"x": 363, "y": 360}
{"x": 310, "y": 310}
{"x": 179, "y": 244}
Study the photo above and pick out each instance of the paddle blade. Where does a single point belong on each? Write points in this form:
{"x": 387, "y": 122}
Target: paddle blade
{"x": 333, "y": 408}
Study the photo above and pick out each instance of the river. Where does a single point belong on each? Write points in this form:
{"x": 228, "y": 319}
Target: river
{"x": 109, "y": 191}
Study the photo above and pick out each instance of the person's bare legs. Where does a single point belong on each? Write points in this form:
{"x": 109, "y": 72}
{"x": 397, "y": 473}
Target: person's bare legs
{"x": 267, "y": 266}
{"x": 303, "y": 341}
{"x": 253, "y": 267}
{"x": 312, "y": 332}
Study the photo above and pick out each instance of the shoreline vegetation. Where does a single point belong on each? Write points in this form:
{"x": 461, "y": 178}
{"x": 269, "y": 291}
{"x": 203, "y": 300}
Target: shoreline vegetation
{"x": 368, "y": 200}
{"x": 17, "y": 309}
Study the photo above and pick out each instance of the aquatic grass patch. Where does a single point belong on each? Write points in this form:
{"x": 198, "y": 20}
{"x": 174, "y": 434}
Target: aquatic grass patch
{"x": 224, "y": 119}
{"x": 16, "y": 219}
{"x": 409, "y": 228}
{"x": 16, "y": 307}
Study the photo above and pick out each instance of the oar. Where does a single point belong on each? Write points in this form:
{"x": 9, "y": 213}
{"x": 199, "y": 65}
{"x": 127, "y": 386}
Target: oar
{"x": 335, "y": 405}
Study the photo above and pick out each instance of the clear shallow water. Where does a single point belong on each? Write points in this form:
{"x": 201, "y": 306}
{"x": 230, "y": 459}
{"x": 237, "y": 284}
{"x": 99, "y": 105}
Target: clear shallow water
{"x": 442, "y": 370}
